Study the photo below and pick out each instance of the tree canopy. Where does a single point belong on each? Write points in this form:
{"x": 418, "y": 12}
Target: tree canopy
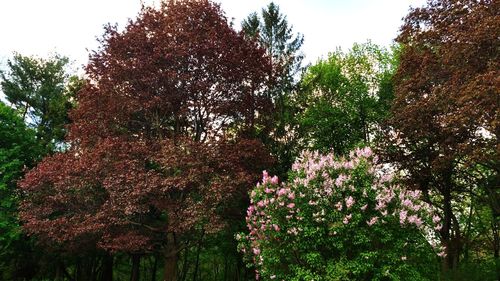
{"x": 159, "y": 137}
{"x": 444, "y": 126}
{"x": 42, "y": 91}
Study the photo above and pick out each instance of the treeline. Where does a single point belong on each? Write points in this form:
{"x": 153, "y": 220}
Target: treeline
{"x": 146, "y": 167}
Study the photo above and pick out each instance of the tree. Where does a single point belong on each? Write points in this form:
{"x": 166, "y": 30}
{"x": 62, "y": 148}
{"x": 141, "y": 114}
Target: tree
{"x": 19, "y": 150}
{"x": 344, "y": 98}
{"x": 444, "y": 126}
{"x": 42, "y": 91}
{"x": 160, "y": 142}
{"x": 273, "y": 32}
{"x": 339, "y": 219}
{"x": 282, "y": 48}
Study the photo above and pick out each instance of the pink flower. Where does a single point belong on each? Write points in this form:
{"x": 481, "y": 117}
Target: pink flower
{"x": 380, "y": 205}
{"x": 436, "y": 219}
{"x": 274, "y": 180}
{"x": 364, "y": 152}
{"x": 364, "y": 207}
{"x": 347, "y": 218}
{"x": 340, "y": 180}
{"x": 349, "y": 202}
{"x": 291, "y": 195}
{"x": 293, "y": 231}
{"x": 367, "y": 152}
{"x": 260, "y": 204}
{"x": 328, "y": 191}
{"x": 402, "y": 216}
{"x": 282, "y": 192}
{"x": 415, "y": 220}
{"x": 418, "y": 222}
{"x": 407, "y": 203}
{"x": 291, "y": 205}
{"x": 338, "y": 206}
{"x": 349, "y": 165}
{"x": 415, "y": 194}
{"x": 268, "y": 190}
{"x": 276, "y": 227}
{"x": 256, "y": 251}
{"x": 372, "y": 221}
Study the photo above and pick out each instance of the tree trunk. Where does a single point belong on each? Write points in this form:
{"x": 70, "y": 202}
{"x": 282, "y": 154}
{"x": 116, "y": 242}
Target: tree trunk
{"x": 496, "y": 245}
{"x": 197, "y": 263}
{"x": 136, "y": 264}
{"x": 451, "y": 235}
{"x": 225, "y": 268}
{"x": 107, "y": 268}
{"x": 445, "y": 231}
{"x": 171, "y": 256}
{"x": 59, "y": 273}
{"x": 155, "y": 267}
{"x": 84, "y": 267}
{"x": 185, "y": 264}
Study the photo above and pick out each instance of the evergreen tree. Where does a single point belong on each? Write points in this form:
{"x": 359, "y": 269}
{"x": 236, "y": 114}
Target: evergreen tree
{"x": 41, "y": 90}
{"x": 282, "y": 46}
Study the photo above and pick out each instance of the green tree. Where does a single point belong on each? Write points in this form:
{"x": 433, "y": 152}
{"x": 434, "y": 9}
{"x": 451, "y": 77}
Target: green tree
{"x": 345, "y": 97}
{"x": 276, "y": 36}
{"x": 19, "y": 150}
{"x": 282, "y": 47}
{"x": 41, "y": 90}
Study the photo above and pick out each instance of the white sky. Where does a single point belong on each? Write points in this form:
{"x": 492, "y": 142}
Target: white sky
{"x": 70, "y": 27}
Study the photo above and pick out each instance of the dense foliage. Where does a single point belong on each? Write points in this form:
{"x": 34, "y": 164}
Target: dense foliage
{"x": 444, "y": 127}
{"x": 339, "y": 219}
{"x": 19, "y": 150}
{"x": 159, "y": 143}
{"x": 144, "y": 169}
{"x": 345, "y": 97}
{"x": 42, "y": 91}
{"x": 272, "y": 31}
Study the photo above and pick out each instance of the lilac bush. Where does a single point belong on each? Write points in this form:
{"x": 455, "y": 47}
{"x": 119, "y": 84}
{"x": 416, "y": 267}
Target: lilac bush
{"x": 339, "y": 219}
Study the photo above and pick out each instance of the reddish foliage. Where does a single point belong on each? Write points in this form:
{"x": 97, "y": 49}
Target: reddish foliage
{"x": 159, "y": 137}
{"x": 446, "y": 109}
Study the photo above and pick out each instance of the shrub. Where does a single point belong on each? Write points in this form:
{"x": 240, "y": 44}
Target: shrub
{"x": 339, "y": 219}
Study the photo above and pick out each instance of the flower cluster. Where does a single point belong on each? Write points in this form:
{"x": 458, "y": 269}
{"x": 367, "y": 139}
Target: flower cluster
{"x": 327, "y": 204}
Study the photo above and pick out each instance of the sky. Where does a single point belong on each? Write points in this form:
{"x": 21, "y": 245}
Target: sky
{"x": 71, "y": 27}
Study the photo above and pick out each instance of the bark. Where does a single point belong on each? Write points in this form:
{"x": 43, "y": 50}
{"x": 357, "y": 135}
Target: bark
{"x": 496, "y": 245}
{"x": 197, "y": 263}
{"x": 155, "y": 268}
{"x": 185, "y": 264}
{"x": 107, "y": 268}
{"x": 451, "y": 230}
{"x": 136, "y": 264}
{"x": 171, "y": 257}
{"x": 84, "y": 267}
{"x": 445, "y": 232}
{"x": 59, "y": 273}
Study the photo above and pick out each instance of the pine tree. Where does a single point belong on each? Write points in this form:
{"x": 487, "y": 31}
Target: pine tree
{"x": 276, "y": 36}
